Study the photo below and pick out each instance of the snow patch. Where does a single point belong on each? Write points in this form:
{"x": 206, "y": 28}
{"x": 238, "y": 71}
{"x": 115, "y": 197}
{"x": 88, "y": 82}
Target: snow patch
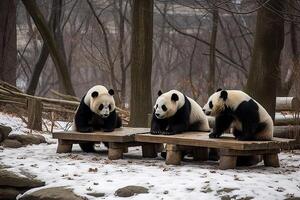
{"x": 86, "y": 173}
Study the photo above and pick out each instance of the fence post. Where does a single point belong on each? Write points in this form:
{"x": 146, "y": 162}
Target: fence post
{"x": 34, "y": 109}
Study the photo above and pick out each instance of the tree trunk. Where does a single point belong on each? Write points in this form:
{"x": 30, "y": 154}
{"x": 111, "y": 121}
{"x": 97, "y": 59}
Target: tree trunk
{"x": 141, "y": 57}
{"x": 284, "y": 86}
{"x": 38, "y": 68}
{"x": 54, "y": 24}
{"x": 8, "y": 41}
{"x": 212, "y": 51}
{"x": 58, "y": 59}
{"x": 121, "y": 49}
{"x": 58, "y": 34}
{"x": 268, "y": 42}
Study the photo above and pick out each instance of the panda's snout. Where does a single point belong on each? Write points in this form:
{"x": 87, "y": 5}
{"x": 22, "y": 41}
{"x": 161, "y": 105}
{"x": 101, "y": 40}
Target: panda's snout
{"x": 207, "y": 113}
{"x": 157, "y": 114}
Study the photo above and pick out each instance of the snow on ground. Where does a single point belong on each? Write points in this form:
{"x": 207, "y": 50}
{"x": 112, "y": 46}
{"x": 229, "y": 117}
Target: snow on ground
{"x": 86, "y": 173}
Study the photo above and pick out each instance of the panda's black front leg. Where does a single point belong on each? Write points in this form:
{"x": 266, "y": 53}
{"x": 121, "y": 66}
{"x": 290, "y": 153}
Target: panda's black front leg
{"x": 110, "y": 122}
{"x": 176, "y": 128}
{"x": 222, "y": 123}
{"x": 158, "y": 126}
{"x": 85, "y": 129}
{"x": 83, "y": 117}
{"x": 248, "y": 132}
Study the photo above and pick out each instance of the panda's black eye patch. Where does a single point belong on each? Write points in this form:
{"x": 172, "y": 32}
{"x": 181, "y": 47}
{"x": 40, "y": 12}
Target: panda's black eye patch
{"x": 109, "y": 107}
{"x": 101, "y": 107}
{"x": 94, "y": 94}
{"x": 164, "y": 108}
{"x": 210, "y": 105}
{"x": 156, "y": 106}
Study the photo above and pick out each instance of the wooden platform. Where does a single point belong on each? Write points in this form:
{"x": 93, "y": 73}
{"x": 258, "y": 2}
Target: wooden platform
{"x": 229, "y": 147}
{"x": 119, "y": 141}
{"x": 118, "y": 135}
{"x": 197, "y": 142}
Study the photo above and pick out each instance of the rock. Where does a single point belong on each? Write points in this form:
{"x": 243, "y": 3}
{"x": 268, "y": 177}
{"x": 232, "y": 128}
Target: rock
{"x": 225, "y": 197}
{"x": 130, "y": 190}
{"x": 11, "y": 143}
{"x": 96, "y": 194}
{"x": 226, "y": 190}
{"x": 11, "y": 179}
{"x": 2, "y": 166}
{"x": 4, "y": 132}
{"x": 55, "y": 193}
{"x": 8, "y": 193}
{"x": 26, "y": 139}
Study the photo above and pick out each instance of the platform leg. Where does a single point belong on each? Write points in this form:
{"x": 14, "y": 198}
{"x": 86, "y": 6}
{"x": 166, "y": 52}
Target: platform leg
{"x": 159, "y": 148}
{"x": 63, "y": 147}
{"x": 125, "y": 150}
{"x": 173, "y": 155}
{"x": 271, "y": 160}
{"x": 227, "y": 162}
{"x": 115, "y": 151}
{"x": 149, "y": 151}
{"x": 200, "y": 154}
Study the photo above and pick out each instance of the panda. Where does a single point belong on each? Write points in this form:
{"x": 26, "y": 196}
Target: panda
{"x": 175, "y": 113}
{"x": 97, "y": 111}
{"x": 249, "y": 120}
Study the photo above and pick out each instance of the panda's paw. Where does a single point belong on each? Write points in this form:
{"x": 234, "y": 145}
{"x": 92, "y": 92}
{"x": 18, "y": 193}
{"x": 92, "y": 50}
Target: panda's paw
{"x": 155, "y": 132}
{"x": 169, "y": 133}
{"x": 244, "y": 138}
{"x": 86, "y": 129}
{"x": 213, "y": 135}
{"x": 108, "y": 130}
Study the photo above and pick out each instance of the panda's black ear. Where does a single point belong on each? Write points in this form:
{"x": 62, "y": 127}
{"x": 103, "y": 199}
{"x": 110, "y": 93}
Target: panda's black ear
{"x": 95, "y": 94}
{"x": 111, "y": 92}
{"x": 174, "y": 97}
{"x": 159, "y": 93}
{"x": 224, "y": 95}
{"x": 219, "y": 89}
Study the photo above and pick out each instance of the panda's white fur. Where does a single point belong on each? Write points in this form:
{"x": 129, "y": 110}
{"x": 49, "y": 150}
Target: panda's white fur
{"x": 234, "y": 99}
{"x": 96, "y": 112}
{"x": 196, "y": 113}
{"x": 103, "y": 98}
{"x": 165, "y": 99}
{"x": 93, "y": 103}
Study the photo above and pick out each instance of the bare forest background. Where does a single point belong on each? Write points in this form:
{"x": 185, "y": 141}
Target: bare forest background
{"x": 138, "y": 47}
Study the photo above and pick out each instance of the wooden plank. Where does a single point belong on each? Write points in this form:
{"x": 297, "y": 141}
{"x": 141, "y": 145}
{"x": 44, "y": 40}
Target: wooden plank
{"x": 34, "y": 109}
{"x": 231, "y": 152}
{"x": 201, "y": 139}
{"x": 124, "y": 134}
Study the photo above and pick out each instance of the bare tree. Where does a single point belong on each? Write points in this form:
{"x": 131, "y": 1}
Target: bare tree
{"x": 141, "y": 57}
{"x": 284, "y": 86}
{"x": 212, "y": 51}
{"x": 8, "y": 41}
{"x": 58, "y": 59}
{"x": 264, "y": 68}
